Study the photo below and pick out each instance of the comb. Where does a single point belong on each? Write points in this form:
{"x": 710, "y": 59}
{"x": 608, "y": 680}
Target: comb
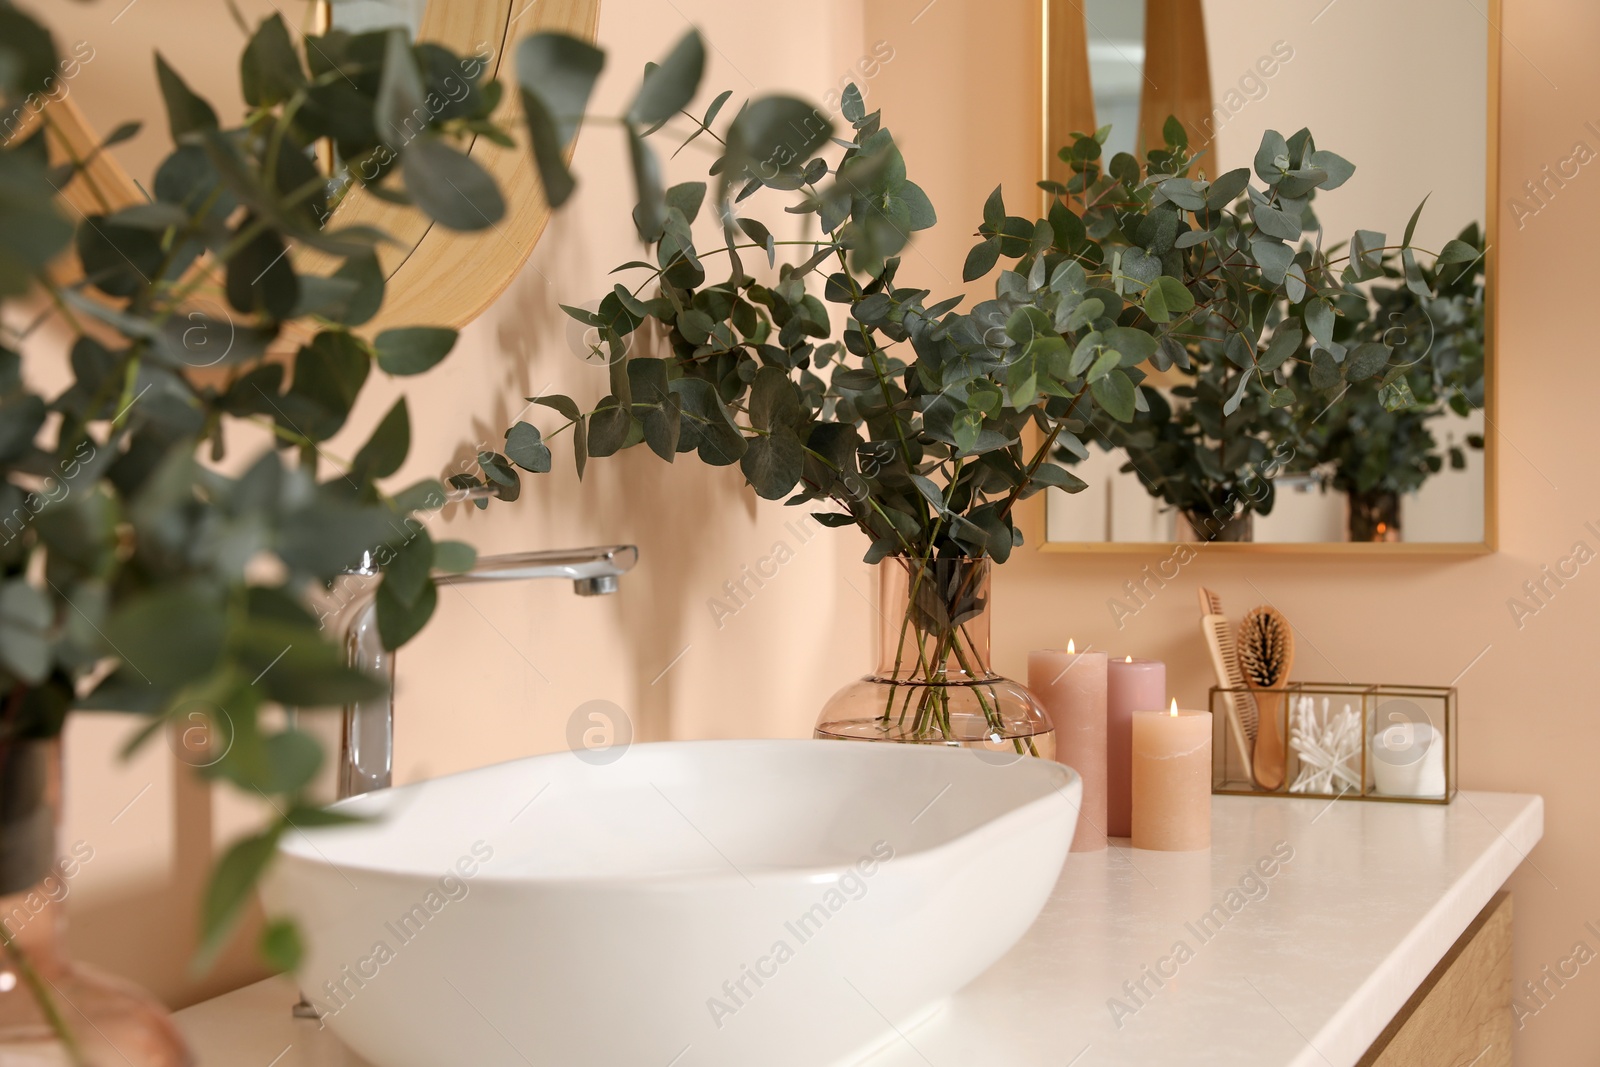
{"x": 1241, "y": 704}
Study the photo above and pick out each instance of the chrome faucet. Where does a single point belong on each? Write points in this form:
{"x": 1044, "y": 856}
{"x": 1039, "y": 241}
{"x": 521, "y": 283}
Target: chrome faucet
{"x": 366, "y": 748}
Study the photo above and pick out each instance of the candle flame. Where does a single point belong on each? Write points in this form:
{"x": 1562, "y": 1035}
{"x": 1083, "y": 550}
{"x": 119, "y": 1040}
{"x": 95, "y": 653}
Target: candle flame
{"x": 1128, "y": 660}
{"x": 1174, "y": 707}
{"x": 1071, "y": 648}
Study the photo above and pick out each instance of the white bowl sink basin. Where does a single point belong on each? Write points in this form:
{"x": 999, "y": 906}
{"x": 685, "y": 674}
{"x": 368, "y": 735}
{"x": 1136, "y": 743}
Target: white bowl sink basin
{"x": 691, "y": 904}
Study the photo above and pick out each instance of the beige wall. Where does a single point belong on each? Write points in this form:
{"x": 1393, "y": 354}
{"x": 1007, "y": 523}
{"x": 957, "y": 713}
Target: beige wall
{"x": 498, "y": 676}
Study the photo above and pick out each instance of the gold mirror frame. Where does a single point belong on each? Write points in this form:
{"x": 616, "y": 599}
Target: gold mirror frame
{"x": 435, "y": 276}
{"x": 1068, "y": 105}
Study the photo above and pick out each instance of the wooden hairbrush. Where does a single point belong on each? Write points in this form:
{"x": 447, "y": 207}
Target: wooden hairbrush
{"x": 1266, "y": 656}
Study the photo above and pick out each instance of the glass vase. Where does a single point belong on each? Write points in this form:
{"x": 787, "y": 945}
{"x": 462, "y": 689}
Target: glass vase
{"x": 54, "y": 1013}
{"x": 1207, "y": 527}
{"x": 933, "y": 684}
{"x": 1374, "y": 515}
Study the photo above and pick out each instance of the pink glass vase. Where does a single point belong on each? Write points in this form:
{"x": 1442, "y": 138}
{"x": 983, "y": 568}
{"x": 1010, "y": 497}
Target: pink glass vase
{"x": 54, "y": 1013}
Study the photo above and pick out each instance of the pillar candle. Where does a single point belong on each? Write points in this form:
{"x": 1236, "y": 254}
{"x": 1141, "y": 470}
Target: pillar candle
{"x": 1072, "y": 687}
{"x": 1172, "y": 780}
{"x": 1131, "y": 685}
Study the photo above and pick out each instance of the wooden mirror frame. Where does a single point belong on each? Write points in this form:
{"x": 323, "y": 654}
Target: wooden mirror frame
{"x": 435, "y": 276}
{"x": 1068, "y": 105}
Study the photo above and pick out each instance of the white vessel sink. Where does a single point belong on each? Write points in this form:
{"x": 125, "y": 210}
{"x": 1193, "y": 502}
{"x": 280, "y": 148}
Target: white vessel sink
{"x": 690, "y": 904}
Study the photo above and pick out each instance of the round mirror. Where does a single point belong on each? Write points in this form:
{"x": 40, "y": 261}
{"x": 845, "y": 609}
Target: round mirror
{"x": 435, "y": 276}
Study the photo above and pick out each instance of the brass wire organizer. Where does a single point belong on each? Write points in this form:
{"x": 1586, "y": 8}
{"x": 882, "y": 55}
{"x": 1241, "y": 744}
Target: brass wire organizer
{"x": 1395, "y": 743}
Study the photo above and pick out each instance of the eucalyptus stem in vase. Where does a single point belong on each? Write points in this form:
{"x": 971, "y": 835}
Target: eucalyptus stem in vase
{"x": 919, "y": 424}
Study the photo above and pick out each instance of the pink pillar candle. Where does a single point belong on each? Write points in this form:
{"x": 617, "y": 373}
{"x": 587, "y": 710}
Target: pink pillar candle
{"x": 1072, "y": 687}
{"x": 1172, "y": 780}
{"x": 1131, "y": 685}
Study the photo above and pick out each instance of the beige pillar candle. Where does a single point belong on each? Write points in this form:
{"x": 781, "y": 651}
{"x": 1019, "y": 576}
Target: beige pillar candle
{"x": 1072, "y": 687}
{"x": 1172, "y": 780}
{"x": 1132, "y": 685}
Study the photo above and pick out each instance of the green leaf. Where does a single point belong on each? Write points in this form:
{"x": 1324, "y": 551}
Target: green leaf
{"x": 1413, "y": 274}
{"x": 362, "y": 301}
{"x": 556, "y": 73}
{"x": 1226, "y": 189}
{"x": 1085, "y": 313}
{"x": 1366, "y": 250}
{"x": 668, "y": 88}
{"x": 1275, "y": 223}
{"x": 687, "y": 198}
{"x": 454, "y": 557}
{"x": 1058, "y": 477}
{"x": 413, "y": 349}
{"x": 186, "y": 112}
{"x": 25, "y": 618}
{"x": 291, "y": 663}
{"x": 328, "y": 375}
{"x": 27, "y": 59}
{"x": 1135, "y": 345}
{"x": 981, "y": 259}
{"x": 293, "y": 758}
{"x": 399, "y": 622}
{"x": 526, "y": 448}
{"x": 1285, "y": 342}
{"x": 1411, "y": 226}
{"x": 230, "y": 889}
{"x": 1324, "y": 371}
{"x": 1319, "y": 321}
{"x": 1104, "y": 363}
{"x": 1273, "y": 256}
{"x": 171, "y": 635}
{"x": 1455, "y": 251}
{"x": 774, "y": 403}
{"x": 650, "y": 213}
{"x": 496, "y": 468}
{"x": 1337, "y": 167}
{"x": 386, "y": 449}
{"x": 260, "y": 276}
{"x": 450, "y": 186}
{"x": 1115, "y": 394}
{"x": 407, "y": 570}
{"x": 401, "y": 101}
{"x": 280, "y": 946}
{"x": 609, "y": 427}
{"x": 1166, "y": 298}
{"x": 772, "y": 463}
{"x": 772, "y": 135}
{"x": 1272, "y": 157}
{"x": 426, "y": 495}
{"x": 994, "y": 211}
{"x": 1294, "y": 283}
{"x": 1397, "y": 395}
{"x": 1365, "y": 360}
{"x": 966, "y": 427}
{"x": 270, "y": 68}
{"x": 556, "y": 402}
{"x": 931, "y": 493}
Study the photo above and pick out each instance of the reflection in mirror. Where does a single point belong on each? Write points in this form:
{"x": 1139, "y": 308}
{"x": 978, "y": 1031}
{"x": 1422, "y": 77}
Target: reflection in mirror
{"x": 1398, "y": 457}
{"x": 360, "y": 16}
{"x": 1116, "y": 68}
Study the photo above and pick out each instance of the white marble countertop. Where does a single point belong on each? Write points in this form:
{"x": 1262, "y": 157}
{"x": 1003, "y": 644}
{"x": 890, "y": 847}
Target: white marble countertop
{"x": 1291, "y": 943}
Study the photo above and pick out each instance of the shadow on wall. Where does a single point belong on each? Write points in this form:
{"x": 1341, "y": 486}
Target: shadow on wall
{"x": 678, "y": 518}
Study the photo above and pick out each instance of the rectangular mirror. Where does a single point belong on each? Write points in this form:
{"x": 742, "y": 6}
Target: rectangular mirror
{"x": 1406, "y": 92}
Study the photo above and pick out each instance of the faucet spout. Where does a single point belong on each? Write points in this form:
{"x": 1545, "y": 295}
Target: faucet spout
{"x": 366, "y": 749}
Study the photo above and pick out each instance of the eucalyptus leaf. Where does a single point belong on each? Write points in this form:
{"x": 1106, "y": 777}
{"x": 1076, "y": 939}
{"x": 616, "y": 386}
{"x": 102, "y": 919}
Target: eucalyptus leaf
{"x": 450, "y": 186}
{"x": 668, "y": 88}
{"x": 407, "y": 350}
